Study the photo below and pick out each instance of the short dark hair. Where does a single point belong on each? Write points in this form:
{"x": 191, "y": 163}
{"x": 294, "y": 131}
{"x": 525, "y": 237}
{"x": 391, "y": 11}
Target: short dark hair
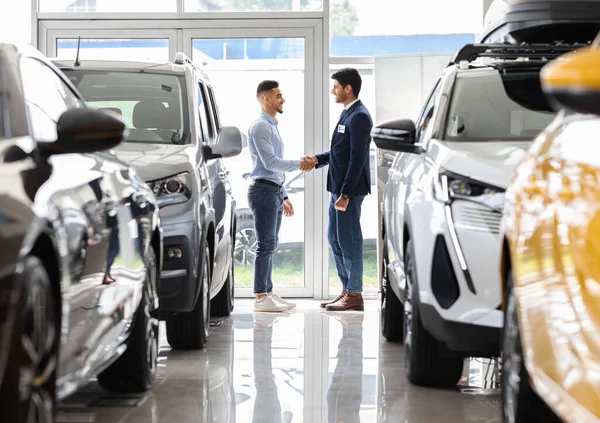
{"x": 266, "y": 86}
{"x": 349, "y": 76}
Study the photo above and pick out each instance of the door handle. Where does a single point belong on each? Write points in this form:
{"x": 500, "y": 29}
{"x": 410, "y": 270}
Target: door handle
{"x": 224, "y": 174}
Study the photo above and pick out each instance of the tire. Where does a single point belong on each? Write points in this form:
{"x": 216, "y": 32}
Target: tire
{"x": 222, "y": 304}
{"x": 520, "y": 403}
{"x": 37, "y": 352}
{"x": 245, "y": 241}
{"x": 423, "y": 363}
{"x": 189, "y": 331}
{"x": 392, "y": 310}
{"x": 135, "y": 370}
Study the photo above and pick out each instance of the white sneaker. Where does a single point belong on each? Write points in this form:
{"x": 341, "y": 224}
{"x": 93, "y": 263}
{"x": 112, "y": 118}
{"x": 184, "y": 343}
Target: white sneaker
{"x": 267, "y": 303}
{"x": 278, "y": 299}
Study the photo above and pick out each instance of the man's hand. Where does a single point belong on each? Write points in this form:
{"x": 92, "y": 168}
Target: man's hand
{"x": 288, "y": 208}
{"x": 341, "y": 204}
{"x": 308, "y": 163}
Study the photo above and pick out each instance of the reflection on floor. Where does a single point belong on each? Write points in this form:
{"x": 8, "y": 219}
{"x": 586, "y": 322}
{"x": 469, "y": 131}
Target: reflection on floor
{"x": 306, "y": 366}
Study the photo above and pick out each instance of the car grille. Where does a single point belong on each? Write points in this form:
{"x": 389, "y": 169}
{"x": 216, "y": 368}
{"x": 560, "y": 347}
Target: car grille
{"x": 475, "y": 217}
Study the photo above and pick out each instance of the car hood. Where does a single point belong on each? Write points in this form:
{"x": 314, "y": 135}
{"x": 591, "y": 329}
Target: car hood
{"x": 156, "y": 161}
{"x": 489, "y": 162}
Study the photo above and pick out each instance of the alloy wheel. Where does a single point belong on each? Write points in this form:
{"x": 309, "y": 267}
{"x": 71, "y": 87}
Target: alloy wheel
{"x": 245, "y": 246}
{"x": 38, "y": 360}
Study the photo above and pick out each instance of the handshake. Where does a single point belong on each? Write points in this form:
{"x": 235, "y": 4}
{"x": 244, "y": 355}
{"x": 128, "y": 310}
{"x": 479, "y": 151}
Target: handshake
{"x": 308, "y": 163}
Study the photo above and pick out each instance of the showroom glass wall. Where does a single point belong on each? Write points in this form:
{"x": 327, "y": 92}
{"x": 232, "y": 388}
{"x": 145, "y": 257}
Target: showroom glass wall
{"x": 238, "y": 43}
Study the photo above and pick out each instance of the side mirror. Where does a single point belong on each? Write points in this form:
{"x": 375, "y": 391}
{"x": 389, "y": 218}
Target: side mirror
{"x": 572, "y": 81}
{"x": 396, "y": 135}
{"x": 229, "y": 144}
{"x": 86, "y": 130}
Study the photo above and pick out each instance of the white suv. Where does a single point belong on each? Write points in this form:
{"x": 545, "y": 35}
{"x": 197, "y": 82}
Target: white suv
{"x": 442, "y": 206}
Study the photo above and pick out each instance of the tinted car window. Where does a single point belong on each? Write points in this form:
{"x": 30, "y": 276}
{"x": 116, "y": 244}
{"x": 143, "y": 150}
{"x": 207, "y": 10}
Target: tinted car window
{"x": 488, "y": 104}
{"x": 152, "y": 104}
{"x": 47, "y": 97}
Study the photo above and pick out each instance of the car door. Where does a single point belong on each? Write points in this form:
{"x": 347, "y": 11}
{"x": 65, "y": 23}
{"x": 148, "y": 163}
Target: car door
{"x": 403, "y": 176}
{"x": 219, "y": 184}
{"x": 76, "y": 190}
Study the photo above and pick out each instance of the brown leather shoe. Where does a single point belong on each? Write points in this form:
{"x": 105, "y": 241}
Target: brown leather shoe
{"x": 351, "y": 301}
{"x": 339, "y": 297}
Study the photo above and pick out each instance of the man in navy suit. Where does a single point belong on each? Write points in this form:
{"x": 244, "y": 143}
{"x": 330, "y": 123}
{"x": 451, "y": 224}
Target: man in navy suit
{"x": 348, "y": 181}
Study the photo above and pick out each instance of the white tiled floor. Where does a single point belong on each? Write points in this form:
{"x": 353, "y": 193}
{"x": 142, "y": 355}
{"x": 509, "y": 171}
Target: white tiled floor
{"x": 306, "y": 366}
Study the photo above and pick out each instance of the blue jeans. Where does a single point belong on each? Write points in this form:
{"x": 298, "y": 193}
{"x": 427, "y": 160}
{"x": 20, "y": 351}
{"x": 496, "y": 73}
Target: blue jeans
{"x": 266, "y": 204}
{"x": 346, "y": 242}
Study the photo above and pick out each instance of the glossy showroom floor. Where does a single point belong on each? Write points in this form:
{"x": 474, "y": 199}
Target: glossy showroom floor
{"x": 308, "y": 366}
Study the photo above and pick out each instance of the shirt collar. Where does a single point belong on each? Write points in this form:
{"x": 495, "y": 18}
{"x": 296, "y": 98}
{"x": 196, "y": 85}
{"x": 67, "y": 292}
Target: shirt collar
{"x": 268, "y": 117}
{"x": 350, "y": 104}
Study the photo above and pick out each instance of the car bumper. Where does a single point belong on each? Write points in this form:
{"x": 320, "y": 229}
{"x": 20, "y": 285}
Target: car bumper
{"x": 178, "y": 282}
{"x": 457, "y": 251}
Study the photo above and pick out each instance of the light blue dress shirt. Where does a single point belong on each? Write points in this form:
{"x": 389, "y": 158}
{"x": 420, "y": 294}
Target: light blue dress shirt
{"x": 266, "y": 149}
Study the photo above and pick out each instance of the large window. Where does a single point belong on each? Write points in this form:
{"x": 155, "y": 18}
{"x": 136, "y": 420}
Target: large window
{"x": 251, "y": 5}
{"x": 114, "y": 49}
{"x": 235, "y": 67}
{"x": 107, "y": 6}
{"x": 375, "y": 27}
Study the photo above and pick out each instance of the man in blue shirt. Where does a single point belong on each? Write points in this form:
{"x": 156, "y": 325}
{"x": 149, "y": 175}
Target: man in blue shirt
{"x": 267, "y": 197}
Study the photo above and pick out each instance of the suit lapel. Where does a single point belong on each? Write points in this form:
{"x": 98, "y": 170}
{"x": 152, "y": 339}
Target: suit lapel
{"x": 343, "y": 118}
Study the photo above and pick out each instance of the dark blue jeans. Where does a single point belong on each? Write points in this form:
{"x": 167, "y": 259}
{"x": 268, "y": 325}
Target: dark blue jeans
{"x": 266, "y": 204}
{"x": 346, "y": 242}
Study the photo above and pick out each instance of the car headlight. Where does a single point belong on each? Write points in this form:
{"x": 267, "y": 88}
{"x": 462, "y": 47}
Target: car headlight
{"x": 178, "y": 184}
{"x": 451, "y": 186}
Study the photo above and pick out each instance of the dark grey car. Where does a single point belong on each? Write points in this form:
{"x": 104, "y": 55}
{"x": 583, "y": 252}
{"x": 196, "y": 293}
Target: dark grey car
{"x": 81, "y": 247}
{"x": 176, "y": 143}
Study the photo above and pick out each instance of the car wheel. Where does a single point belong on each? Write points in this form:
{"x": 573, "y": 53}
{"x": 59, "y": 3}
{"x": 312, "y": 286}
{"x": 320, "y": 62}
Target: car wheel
{"x": 423, "y": 363}
{"x": 392, "y": 311}
{"x": 222, "y": 304}
{"x": 38, "y": 357}
{"x": 245, "y": 241}
{"x": 135, "y": 370}
{"x": 189, "y": 331}
{"x": 520, "y": 403}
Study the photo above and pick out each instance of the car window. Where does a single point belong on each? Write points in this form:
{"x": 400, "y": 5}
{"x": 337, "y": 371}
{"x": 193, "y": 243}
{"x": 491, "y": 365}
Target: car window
{"x": 423, "y": 123}
{"x": 152, "y": 104}
{"x": 489, "y": 105}
{"x": 47, "y": 97}
{"x": 203, "y": 110}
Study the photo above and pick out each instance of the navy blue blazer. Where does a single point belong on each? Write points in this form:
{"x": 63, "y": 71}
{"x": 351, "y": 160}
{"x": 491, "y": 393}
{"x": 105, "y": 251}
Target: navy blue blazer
{"x": 348, "y": 157}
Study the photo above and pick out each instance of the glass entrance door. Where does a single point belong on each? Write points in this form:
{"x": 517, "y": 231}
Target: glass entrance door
{"x": 236, "y": 63}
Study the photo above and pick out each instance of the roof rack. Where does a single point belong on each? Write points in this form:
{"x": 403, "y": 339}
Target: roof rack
{"x": 181, "y": 58}
{"x": 471, "y": 52}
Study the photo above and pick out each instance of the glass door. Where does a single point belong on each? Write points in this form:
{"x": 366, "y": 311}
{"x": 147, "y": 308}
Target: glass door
{"x": 236, "y": 61}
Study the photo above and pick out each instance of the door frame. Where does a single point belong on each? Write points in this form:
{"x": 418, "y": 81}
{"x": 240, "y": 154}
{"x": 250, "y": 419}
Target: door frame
{"x": 180, "y": 34}
{"x": 313, "y": 240}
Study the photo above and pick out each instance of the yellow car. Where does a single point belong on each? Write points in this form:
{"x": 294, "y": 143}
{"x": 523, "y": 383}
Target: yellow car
{"x": 551, "y": 256}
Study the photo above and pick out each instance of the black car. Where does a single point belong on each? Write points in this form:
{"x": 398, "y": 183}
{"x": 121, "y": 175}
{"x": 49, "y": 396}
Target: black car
{"x": 177, "y": 144}
{"x": 81, "y": 246}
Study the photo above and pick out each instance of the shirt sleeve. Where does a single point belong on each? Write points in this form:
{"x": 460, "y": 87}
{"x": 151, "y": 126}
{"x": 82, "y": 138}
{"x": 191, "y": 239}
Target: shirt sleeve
{"x": 262, "y": 135}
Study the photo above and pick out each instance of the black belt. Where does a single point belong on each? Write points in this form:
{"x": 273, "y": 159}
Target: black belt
{"x": 267, "y": 182}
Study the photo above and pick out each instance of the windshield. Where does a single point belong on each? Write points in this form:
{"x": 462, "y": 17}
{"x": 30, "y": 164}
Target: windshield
{"x": 152, "y": 104}
{"x": 492, "y": 105}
